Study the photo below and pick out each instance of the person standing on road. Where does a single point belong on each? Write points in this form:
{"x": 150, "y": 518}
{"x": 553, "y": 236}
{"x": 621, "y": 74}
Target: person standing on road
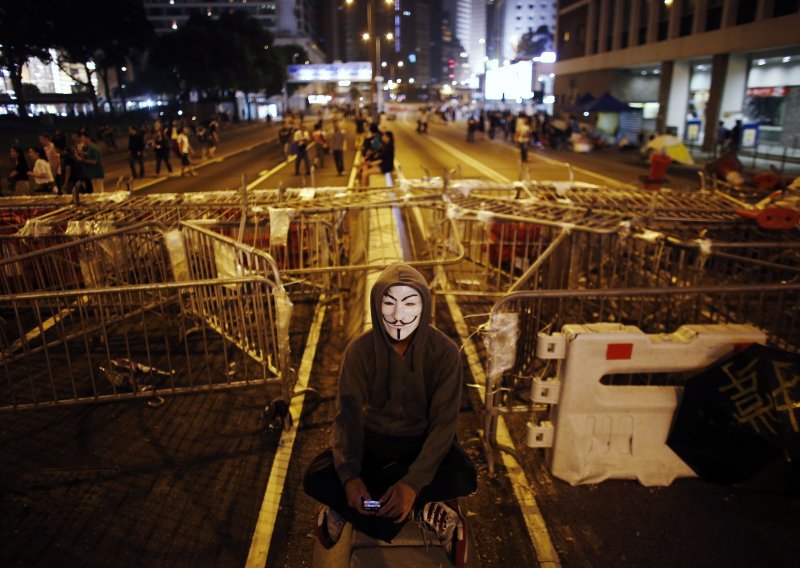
{"x": 41, "y": 176}
{"x": 338, "y": 146}
{"x": 18, "y": 178}
{"x": 285, "y": 139}
{"x": 394, "y": 433}
{"x": 722, "y": 136}
{"x": 185, "y": 148}
{"x": 522, "y": 136}
{"x": 300, "y": 142}
{"x": 736, "y": 136}
{"x": 213, "y": 137}
{"x": 92, "y": 163}
{"x": 320, "y": 145}
{"x": 53, "y": 158}
{"x": 161, "y": 151}
{"x": 136, "y": 151}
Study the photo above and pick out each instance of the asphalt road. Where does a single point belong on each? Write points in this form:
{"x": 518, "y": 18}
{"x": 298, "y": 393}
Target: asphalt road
{"x": 162, "y": 505}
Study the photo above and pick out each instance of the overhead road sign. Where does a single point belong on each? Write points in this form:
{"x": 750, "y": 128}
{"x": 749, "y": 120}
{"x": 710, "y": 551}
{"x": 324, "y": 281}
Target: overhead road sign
{"x": 330, "y": 72}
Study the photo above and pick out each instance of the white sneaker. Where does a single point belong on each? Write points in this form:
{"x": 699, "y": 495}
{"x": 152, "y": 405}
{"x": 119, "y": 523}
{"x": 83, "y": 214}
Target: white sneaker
{"x": 449, "y": 525}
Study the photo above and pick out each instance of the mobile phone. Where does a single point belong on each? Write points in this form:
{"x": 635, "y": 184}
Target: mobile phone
{"x": 371, "y": 505}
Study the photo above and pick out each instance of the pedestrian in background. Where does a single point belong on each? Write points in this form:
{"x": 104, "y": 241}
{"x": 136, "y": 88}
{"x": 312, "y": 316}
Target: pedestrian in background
{"x": 92, "y": 163}
{"x": 40, "y": 176}
{"x": 185, "y": 148}
{"x": 18, "y": 178}
{"x": 53, "y": 158}
{"x": 320, "y": 145}
{"x": 213, "y": 136}
{"x": 722, "y": 136}
{"x": 472, "y": 128}
{"x": 285, "y": 139}
{"x": 338, "y": 146}
{"x": 161, "y": 150}
{"x": 300, "y": 142}
{"x": 522, "y": 136}
{"x": 136, "y": 151}
{"x": 74, "y": 175}
{"x": 736, "y": 137}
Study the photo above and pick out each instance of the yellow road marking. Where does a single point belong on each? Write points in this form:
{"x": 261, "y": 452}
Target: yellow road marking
{"x": 265, "y": 525}
{"x": 534, "y": 520}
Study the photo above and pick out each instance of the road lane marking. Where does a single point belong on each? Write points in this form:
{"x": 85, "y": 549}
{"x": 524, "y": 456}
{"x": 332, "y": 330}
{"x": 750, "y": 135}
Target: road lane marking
{"x": 469, "y": 160}
{"x": 496, "y": 176}
{"x": 265, "y": 525}
{"x": 534, "y": 520}
{"x": 204, "y": 163}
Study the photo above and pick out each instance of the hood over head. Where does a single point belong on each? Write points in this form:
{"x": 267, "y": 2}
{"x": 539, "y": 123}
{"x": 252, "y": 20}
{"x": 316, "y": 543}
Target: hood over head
{"x": 395, "y": 274}
{"x": 399, "y": 273}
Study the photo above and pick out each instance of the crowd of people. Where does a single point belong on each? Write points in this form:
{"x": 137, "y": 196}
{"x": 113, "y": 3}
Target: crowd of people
{"x": 311, "y": 146}
{"x": 60, "y": 163}
{"x": 56, "y": 165}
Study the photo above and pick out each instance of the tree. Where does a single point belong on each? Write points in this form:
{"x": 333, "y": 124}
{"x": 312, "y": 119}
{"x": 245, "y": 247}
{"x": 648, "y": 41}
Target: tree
{"x": 255, "y": 66}
{"x": 230, "y": 54}
{"x": 131, "y": 33}
{"x": 96, "y": 35}
{"x": 23, "y": 34}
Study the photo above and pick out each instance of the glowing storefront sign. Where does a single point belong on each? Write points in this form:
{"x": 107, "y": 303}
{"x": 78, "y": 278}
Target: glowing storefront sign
{"x": 510, "y": 82}
{"x": 330, "y": 72}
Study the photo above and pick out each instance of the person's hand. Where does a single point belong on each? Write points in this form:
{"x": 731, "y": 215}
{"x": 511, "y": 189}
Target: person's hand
{"x": 397, "y": 501}
{"x": 357, "y": 492}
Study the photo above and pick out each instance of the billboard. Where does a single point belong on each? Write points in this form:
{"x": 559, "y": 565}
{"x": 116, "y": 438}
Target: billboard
{"x": 510, "y": 82}
{"x": 330, "y": 72}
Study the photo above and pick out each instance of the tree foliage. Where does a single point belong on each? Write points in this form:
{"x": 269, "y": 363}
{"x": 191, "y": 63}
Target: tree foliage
{"x": 23, "y": 34}
{"x": 216, "y": 57}
{"x": 97, "y": 31}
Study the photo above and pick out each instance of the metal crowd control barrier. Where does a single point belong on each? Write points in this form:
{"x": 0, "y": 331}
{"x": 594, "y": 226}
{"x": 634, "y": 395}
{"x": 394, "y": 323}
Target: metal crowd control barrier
{"x": 311, "y": 233}
{"x": 520, "y": 321}
{"x": 16, "y": 211}
{"x": 140, "y": 313}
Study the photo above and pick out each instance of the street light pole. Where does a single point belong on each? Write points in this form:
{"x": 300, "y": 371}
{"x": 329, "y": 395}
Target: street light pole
{"x": 376, "y": 62}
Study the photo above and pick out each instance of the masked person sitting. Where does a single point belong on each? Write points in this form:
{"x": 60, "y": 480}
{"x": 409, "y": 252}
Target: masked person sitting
{"x": 394, "y": 434}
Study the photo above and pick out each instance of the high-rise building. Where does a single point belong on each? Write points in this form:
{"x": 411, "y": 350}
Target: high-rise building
{"x": 290, "y": 21}
{"x": 689, "y": 64}
{"x": 408, "y": 54}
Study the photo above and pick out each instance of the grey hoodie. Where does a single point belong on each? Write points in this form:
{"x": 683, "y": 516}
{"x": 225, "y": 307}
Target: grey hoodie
{"x": 415, "y": 395}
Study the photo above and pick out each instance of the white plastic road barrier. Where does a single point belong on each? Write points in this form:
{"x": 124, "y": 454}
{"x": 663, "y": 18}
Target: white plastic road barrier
{"x": 601, "y": 432}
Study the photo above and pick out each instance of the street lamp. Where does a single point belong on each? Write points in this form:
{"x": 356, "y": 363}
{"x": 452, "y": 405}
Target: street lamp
{"x": 371, "y": 34}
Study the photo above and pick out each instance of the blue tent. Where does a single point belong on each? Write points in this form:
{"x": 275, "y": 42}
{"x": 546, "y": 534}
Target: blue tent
{"x": 605, "y": 103}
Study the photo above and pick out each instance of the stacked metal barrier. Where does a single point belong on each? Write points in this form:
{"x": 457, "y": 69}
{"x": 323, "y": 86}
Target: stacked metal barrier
{"x": 138, "y": 312}
{"x": 556, "y": 256}
{"x": 540, "y": 254}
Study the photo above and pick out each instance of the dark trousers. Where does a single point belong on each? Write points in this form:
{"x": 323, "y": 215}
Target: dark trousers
{"x": 386, "y": 461}
{"x": 162, "y": 158}
{"x": 136, "y": 158}
{"x": 523, "y": 151}
{"x": 338, "y": 158}
{"x": 302, "y": 157}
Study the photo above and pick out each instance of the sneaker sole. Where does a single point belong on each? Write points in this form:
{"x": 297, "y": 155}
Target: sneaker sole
{"x": 321, "y": 532}
{"x": 461, "y": 548}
